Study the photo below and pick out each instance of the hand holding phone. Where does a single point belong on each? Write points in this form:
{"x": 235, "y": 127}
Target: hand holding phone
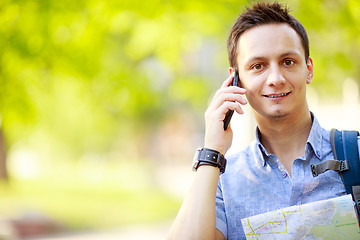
{"x": 231, "y": 112}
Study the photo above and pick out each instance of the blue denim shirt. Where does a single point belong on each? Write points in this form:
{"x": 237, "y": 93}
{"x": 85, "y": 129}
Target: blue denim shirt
{"x": 256, "y": 182}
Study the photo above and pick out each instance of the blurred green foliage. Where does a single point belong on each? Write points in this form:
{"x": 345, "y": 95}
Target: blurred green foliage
{"x": 82, "y": 73}
{"x": 98, "y": 77}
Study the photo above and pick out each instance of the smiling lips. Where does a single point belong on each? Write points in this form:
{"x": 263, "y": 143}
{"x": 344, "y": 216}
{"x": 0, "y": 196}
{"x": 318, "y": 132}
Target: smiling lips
{"x": 277, "y": 95}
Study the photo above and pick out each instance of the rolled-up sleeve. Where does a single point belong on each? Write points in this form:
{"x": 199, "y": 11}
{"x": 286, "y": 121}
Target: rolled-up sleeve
{"x": 221, "y": 223}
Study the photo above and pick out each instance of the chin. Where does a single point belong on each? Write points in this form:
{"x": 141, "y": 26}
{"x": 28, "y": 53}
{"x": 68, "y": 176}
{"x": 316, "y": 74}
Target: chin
{"x": 278, "y": 114}
{"x": 275, "y": 115}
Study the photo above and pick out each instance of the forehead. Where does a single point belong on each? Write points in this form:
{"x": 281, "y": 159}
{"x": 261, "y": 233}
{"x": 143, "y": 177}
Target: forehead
{"x": 269, "y": 40}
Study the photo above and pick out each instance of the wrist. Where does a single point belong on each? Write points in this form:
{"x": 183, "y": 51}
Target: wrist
{"x": 214, "y": 148}
{"x": 220, "y": 146}
{"x": 209, "y": 157}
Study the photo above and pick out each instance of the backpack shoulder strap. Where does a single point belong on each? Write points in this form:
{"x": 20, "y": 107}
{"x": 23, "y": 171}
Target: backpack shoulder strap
{"x": 339, "y": 164}
{"x": 345, "y": 147}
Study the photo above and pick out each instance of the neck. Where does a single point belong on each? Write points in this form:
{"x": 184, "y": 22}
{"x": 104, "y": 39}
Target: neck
{"x": 282, "y": 129}
{"x": 286, "y": 137}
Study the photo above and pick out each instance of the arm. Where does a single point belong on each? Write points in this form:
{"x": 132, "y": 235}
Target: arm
{"x": 196, "y": 218}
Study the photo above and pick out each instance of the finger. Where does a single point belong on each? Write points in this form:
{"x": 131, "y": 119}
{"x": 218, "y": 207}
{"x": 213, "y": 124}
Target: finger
{"x": 237, "y": 107}
{"x": 239, "y": 110}
{"x": 231, "y": 97}
{"x": 231, "y": 89}
{"x": 228, "y": 81}
{"x": 235, "y": 89}
{"x": 224, "y": 108}
{"x": 228, "y": 97}
{"x": 240, "y": 99}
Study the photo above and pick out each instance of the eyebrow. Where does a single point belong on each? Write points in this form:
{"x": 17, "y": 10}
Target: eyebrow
{"x": 261, "y": 58}
{"x": 290, "y": 53}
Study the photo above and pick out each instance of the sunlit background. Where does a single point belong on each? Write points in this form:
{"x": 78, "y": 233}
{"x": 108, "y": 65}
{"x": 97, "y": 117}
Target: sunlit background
{"x": 102, "y": 104}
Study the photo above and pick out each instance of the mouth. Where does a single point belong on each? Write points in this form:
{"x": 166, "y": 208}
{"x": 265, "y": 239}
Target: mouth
{"x": 278, "y": 95}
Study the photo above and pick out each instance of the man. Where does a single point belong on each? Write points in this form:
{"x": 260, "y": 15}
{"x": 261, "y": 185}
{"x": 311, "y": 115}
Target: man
{"x": 270, "y": 49}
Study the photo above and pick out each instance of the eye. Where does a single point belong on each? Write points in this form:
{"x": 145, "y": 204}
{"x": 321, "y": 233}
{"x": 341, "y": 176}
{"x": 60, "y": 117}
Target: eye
{"x": 288, "y": 62}
{"x": 257, "y": 66}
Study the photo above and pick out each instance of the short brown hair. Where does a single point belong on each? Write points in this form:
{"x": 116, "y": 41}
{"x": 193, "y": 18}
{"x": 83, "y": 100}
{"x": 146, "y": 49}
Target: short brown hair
{"x": 259, "y": 14}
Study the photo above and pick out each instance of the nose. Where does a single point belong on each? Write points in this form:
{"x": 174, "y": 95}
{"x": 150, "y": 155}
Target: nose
{"x": 275, "y": 76}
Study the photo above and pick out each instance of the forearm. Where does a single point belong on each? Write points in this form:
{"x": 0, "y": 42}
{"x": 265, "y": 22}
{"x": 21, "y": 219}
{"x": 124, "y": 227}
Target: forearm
{"x": 196, "y": 218}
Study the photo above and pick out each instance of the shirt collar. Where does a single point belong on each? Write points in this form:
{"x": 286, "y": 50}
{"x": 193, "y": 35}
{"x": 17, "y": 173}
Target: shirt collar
{"x": 314, "y": 139}
{"x": 264, "y": 153}
{"x": 313, "y": 142}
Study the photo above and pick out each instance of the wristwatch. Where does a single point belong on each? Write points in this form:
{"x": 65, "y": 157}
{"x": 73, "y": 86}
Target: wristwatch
{"x": 206, "y": 156}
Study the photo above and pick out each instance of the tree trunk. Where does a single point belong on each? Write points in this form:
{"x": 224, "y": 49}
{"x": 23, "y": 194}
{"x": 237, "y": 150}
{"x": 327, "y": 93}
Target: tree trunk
{"x": 3, "y": 167}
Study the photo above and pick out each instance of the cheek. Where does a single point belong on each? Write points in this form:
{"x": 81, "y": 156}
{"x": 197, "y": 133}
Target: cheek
{"x": 297, "y": 80}
{"x": 252, "y": 92}
{"x": 253, "y": 99}
{"x": 252, "y": 86}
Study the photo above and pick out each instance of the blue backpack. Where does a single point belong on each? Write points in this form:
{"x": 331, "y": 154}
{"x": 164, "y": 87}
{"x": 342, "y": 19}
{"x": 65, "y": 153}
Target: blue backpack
{"x": 344, "y": 145}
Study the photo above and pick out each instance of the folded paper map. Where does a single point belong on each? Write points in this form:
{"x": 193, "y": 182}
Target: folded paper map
{"x": 328, "y": 219}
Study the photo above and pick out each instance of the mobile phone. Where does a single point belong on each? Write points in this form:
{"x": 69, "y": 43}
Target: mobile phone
{"x": 231, "y": 112}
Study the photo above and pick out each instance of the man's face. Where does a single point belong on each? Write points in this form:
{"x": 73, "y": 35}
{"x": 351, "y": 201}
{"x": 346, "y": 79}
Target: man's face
{"x": 273, "y": 70}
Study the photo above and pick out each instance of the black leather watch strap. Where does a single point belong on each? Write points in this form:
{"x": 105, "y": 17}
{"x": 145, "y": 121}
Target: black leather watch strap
{"x": 206, "y": 156}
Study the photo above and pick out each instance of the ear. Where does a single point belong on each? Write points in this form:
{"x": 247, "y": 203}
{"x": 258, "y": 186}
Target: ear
{"x": 231, "y": 70}
{"x": 310, "y": 70}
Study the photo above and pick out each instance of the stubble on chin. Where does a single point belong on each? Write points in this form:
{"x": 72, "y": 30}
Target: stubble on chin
{"x": 275, "y": 115}
{"x": 278, "y": 115}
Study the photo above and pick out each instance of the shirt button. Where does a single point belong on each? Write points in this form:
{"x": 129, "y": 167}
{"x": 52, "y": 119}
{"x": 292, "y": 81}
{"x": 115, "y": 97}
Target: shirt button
{"x": 284, "y": 174}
